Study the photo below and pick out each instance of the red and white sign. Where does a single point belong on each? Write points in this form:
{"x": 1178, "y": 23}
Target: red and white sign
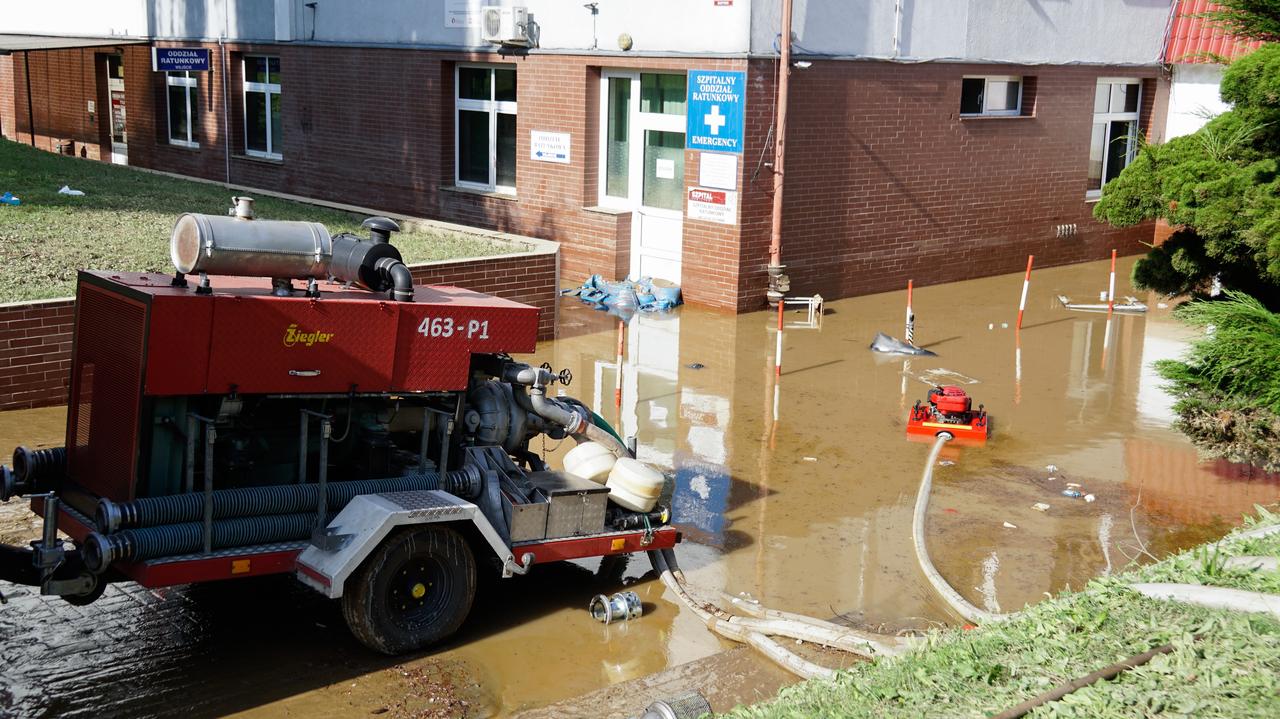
{"x": 713, "y": 205}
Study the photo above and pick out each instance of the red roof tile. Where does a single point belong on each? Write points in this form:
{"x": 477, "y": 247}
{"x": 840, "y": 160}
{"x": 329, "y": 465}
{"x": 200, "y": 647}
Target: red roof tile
{"x": 1191, "y": 38}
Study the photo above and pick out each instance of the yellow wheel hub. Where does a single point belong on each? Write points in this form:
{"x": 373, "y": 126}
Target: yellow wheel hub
{"x": 419, "y": 590}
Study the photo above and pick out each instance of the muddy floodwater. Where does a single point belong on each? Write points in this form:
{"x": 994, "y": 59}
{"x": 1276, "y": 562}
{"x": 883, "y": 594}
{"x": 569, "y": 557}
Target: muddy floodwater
{"x": 797, "y": 491}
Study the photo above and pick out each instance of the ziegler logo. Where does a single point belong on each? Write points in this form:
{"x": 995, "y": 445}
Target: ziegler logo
{"x": 293, "y": 337}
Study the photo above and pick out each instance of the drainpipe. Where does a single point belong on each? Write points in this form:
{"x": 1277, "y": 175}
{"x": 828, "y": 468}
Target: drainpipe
{"x": 778, "y": 282}
{"x": 31, "y": 116}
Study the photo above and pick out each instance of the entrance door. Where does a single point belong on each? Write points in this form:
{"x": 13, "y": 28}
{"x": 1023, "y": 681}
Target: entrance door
{"x": 115, "y": 93}
{"x": 642, "y": 165}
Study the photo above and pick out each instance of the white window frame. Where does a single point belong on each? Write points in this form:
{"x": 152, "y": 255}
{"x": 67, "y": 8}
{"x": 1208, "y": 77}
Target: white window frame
{"x": 986, "y": 95}
{"x": 638, "y": 123}
{"x": 493, "y": 108}
{"x": 269, "y": 88}
{"x": 1106, "y": 118}
{"x": 186, "y": 80}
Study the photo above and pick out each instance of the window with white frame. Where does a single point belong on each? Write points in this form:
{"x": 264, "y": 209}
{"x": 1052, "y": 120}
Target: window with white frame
{"x": 180, "y": 88}
{"x": 1115, "y": 140}
{"x": 1000, "y": 95}
{"x": 485, "y": 127}
{"x": 262, "y": 106}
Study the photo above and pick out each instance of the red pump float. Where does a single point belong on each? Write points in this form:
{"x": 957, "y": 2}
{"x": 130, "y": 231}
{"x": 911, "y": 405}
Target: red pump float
{"x": 949, "y": 409}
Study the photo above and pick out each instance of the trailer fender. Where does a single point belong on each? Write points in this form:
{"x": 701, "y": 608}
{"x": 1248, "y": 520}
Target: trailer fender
{"x": 367, "y": 520}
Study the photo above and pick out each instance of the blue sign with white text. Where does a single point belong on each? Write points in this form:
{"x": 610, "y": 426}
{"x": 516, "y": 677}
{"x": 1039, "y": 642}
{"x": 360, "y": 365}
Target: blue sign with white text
{"x": 715, "y": 110}
{"x": 180, "y": 59}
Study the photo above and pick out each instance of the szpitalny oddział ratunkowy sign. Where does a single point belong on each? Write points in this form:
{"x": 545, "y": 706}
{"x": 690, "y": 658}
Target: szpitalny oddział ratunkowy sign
{"x": 715, "y": 107}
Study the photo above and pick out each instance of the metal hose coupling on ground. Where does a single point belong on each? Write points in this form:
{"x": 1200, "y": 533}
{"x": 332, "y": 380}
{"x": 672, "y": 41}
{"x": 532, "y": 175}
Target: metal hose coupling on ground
{"x": 275, "y": 499}
{"x": 948, "y": 593}
{"x": 621, "y": 607}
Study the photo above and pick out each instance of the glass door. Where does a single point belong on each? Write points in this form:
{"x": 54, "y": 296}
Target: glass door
{"x": 115, "y": 91}
{"x": 642, "y": 165}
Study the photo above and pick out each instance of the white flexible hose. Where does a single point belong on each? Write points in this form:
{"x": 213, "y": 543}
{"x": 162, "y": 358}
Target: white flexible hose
{"x": 958, "y": 603}
{"x": 721, "y": 623}
{"x": 1237, "y": 600}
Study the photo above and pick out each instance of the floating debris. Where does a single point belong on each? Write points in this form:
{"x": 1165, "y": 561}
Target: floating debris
{"x": 1010, "y": 525}
{"x": 1040, "y": 507}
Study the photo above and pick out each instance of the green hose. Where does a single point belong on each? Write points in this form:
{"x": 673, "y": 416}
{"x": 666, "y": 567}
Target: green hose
{"x": 598, "y": 421}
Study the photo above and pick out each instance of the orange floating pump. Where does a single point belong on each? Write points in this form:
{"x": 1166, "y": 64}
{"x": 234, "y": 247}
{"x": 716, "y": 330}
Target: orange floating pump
{"x": 949, "y": 409}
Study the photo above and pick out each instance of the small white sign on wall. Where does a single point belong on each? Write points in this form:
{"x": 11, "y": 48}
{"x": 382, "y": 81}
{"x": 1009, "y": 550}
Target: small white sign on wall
{"x": 664, "y": 169}
{"x": 713, "y": 205}
{"x": 717, "y": 169}
{"x": 549, "y": 146}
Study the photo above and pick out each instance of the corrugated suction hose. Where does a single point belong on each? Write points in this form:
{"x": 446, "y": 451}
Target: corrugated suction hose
{"x": 100, "y": 550}
{"x": 272, "y": 500}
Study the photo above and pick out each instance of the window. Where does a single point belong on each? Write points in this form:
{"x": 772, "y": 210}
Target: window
{"x": 664, "y": 94}
{"x": 486, "y": 128}
{"x": 262, "y": 107}
{"x": 991, "y": 96}
{"x": 618, "y": 138}
{"x": 1115, "y": 130}
{"x": 181, "y": 90}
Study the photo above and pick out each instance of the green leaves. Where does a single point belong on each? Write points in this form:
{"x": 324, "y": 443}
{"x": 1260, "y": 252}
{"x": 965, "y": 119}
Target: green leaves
{"x": 1218, "y": 186}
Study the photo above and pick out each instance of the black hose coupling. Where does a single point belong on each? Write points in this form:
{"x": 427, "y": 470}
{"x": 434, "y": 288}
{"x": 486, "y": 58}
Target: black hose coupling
{"x": 39, "y": 470}
{"x": 8, "y": 484}
{"x": 99, "y": 550}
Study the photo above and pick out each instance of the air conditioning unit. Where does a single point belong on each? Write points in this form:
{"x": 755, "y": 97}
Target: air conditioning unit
{"x": 505, "y": 25}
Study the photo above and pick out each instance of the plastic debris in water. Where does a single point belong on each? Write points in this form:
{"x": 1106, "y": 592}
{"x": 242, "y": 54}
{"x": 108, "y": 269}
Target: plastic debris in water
{"x": 810, "y": 459}
{"x": 1072, "y": 493}
{"x": 1090, "y": 498}
{"x": 1051, "y": 468}
{"x": 1040, "y": 507}
{"x": 1010, "y": 525}
{"x": 945, "y": 462}
{"x": 695, "y": 365}
{"x": 1073, "y": 485}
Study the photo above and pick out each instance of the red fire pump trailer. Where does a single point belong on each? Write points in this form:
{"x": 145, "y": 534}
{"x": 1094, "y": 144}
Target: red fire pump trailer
{"x": 369, "y": 436}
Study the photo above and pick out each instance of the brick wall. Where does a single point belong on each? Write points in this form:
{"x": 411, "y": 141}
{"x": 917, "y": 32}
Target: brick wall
{"x": 375, "y": 127}
{"x": 529, "y": 278}
{"x": 885, "y": 182}
{"x": 62, "y": 84}
{"x": 35, "y": 337}
{"x": 35, "y": 353}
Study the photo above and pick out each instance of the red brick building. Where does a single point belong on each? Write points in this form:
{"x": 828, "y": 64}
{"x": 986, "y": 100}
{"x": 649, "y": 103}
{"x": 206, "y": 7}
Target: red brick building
{"x": 929, "y": 158}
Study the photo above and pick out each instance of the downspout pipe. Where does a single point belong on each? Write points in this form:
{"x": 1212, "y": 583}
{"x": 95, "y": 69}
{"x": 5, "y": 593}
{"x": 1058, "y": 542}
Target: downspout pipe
{"x": 778, "y": 282}
{"x": 31, "y": 115}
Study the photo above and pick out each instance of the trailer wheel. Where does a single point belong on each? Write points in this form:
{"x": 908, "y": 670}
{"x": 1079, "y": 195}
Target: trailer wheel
{"x": 413, "y": 591}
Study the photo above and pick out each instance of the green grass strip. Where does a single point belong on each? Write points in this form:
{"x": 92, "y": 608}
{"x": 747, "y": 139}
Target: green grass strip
{"x": 1233, "y": 671}
{"x": 124, "y": 220}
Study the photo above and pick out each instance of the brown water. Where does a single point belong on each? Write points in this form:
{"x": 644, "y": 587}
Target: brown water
{"x": 800, "y": 497}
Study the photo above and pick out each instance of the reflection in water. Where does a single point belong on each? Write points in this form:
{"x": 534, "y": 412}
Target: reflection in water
{"x": 795, "y": 489}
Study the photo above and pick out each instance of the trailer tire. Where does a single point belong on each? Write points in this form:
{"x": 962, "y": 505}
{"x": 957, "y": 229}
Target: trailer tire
{"x": 413, "y": 591}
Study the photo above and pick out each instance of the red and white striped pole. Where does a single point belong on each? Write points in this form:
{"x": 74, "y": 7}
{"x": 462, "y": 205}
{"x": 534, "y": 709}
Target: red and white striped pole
{"x": 910, "y": 332}
{"x": 1026, "y": 283}
{"x": 617, "y": 382}
{"x": 777, "y": 355}
{"x": 1111, "y": 287}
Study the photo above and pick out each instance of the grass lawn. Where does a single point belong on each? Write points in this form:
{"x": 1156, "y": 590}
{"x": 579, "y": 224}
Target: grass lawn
{"x": 124, "y": 220}
{"x": 1232, "y": 671}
